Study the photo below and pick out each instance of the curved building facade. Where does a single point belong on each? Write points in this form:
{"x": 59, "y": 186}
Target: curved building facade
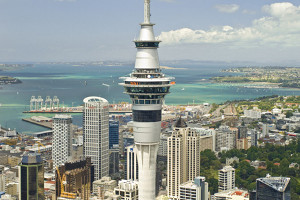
{"x": 95, "y": 134}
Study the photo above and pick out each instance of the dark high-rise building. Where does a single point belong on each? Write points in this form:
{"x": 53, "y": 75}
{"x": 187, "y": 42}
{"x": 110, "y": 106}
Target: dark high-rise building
{"x": 114, "y": 159}
{"x": 31, "y": 177}
{"x": 113, "y": 133}
{"x": 275, "y": 188}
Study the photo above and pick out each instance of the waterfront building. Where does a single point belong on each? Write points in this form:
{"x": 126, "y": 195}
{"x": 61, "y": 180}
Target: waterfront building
{"x": 147, "y": 87}
{"x": 183, "y": 158}
{"x": 62, "y": 139}
{"x": 226, "y": 178}
{"x": 128, "y": 190}
{"x": 194, "y": 190}
{"x": 113, "y": 133}
{"x": 275, "y": 188}
{"x": 95, "y": 134}
{"x": 131, "y": 164}
{"x": 31, "y": 177}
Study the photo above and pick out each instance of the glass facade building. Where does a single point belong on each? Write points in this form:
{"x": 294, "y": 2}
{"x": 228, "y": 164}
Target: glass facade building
{"x": 113, "y": 133}
{"x": 275, "y": 188}
{"x": 31, "y": 177}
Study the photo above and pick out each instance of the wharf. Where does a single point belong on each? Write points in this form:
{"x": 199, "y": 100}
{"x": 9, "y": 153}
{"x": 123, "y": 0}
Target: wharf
{"x": 59, "y": 112}
{"x": 43, "y": 124}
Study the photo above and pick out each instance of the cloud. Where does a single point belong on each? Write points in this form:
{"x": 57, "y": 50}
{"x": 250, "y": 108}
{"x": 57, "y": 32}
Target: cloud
{"x": 281, "y": 27}
{"x": 227, "y": 8}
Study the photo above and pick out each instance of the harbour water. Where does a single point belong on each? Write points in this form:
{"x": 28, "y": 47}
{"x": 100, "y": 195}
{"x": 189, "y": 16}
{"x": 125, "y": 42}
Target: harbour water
{"x": 73, "y": 83}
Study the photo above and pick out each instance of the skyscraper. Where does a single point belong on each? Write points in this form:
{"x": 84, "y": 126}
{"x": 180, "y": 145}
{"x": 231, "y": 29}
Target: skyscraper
{"x": 131, "y": 163}
{"x": 62, "y": 139}
{"x": 147, "y": 87}
{"x": 95, "y": 134}
{"x": 183, "y": 157}
{"x": 113, "y": 133}
{"x": 226, "y": 178}
{"x": 31, "y": 177}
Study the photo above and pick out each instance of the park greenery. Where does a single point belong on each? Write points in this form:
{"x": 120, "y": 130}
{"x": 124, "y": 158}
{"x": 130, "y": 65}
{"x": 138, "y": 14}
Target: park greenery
{"x": 277, "y": 160}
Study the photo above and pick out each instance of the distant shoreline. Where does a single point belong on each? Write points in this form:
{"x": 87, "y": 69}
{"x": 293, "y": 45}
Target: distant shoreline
{"x": 166, "y": 67}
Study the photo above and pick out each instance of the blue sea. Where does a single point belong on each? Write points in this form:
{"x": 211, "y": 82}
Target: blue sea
{"x": 71, "y": 84}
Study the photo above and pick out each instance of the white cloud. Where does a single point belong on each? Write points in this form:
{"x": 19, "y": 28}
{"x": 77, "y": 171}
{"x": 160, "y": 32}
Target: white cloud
{"x": 281, "y": 27}
{"x": 227, "y": 8}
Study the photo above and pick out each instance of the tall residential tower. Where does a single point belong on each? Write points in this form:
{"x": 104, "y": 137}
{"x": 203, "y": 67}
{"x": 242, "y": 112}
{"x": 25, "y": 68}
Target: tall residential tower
{"x": 95, "y": 134}
{"x": 147, "y": 87}
{"x": 62, "y": 139}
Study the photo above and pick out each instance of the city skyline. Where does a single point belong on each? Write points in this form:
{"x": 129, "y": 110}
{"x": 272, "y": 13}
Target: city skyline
{"x": 77, "y": 30}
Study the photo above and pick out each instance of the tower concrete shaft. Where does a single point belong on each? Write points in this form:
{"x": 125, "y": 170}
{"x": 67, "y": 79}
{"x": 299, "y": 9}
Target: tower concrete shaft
{"x": 147, "y": 87}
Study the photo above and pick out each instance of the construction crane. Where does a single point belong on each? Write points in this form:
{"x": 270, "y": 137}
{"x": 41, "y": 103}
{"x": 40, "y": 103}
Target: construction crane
{"x": 40, "y": 144}
{"x": 62, "y": 180}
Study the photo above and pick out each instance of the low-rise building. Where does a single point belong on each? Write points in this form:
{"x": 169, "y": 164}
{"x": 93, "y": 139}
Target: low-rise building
{"x": 127, "y": 189}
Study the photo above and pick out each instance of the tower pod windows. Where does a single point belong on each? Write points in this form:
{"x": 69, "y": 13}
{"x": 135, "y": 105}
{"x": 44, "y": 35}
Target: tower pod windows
{"x": 147, "y": 44}
{"x": 146, "y": 115}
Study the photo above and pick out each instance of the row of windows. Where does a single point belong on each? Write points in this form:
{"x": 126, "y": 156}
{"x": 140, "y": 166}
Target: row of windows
{"x": 147, "y": 89}
{"x": 146, "y": 116}
{"x": 143, "y": 101}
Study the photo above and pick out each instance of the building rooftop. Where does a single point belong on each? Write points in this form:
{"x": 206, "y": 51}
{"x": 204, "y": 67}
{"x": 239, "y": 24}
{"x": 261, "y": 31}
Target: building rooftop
{"x": 241, "y": 194}
{"x": 32, "y": 158}
{"x": 61, "y": 116}
{"x": 180, "y": 123}
{"x": 277, "y": 183}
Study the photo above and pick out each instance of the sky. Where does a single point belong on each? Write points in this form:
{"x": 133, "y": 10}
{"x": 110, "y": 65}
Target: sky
{"x": 257, "y": 31}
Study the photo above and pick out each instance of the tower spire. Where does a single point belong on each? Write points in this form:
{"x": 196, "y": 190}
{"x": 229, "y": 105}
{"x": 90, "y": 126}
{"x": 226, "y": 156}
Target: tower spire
{"x": 147, "y": 12}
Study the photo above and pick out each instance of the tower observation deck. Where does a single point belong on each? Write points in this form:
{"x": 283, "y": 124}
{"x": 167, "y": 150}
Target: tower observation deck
{"x": 147, "y": 87}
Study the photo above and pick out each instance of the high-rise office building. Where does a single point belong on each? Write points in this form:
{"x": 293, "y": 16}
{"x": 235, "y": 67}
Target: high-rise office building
{"x": 131, "y": 164}
{"x": 226, "y": 178}
{"x": 31, "y": 177}
{"x": 73, "y": 179}
{"x": 275, "y": 188}
{"x": 147, "y": 87}
{"x": 62, "y": 139}
{"x": 114, "y": 158}
{"x": 95, "y": 134}
{"x": 113, "y": 133}
{"x": 183, "y": 158}
{"x": 194, "y": 190}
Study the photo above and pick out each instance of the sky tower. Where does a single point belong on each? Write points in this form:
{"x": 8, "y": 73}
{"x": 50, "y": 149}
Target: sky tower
{"x": 147, "y": 87}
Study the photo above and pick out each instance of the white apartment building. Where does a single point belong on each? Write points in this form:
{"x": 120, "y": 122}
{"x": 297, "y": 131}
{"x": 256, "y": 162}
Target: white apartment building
{"x": 226, "y": 178}
{"x": 253, "y": 114}
{"x": 127, "y": 189}
{"x": 62, "y": 139}
{"x": 225, "y": 139}
{"x": 95, "y": 134}
{"x": 183, "y": 158}
{"x": 194, "y": 190}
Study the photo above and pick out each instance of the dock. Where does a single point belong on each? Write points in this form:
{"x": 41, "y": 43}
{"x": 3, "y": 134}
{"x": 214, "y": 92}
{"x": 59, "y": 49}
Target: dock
{"x": 43, "y": 124}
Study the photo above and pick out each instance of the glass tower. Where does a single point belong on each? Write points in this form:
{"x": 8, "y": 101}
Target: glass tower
{"x": 31, "y": 177}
